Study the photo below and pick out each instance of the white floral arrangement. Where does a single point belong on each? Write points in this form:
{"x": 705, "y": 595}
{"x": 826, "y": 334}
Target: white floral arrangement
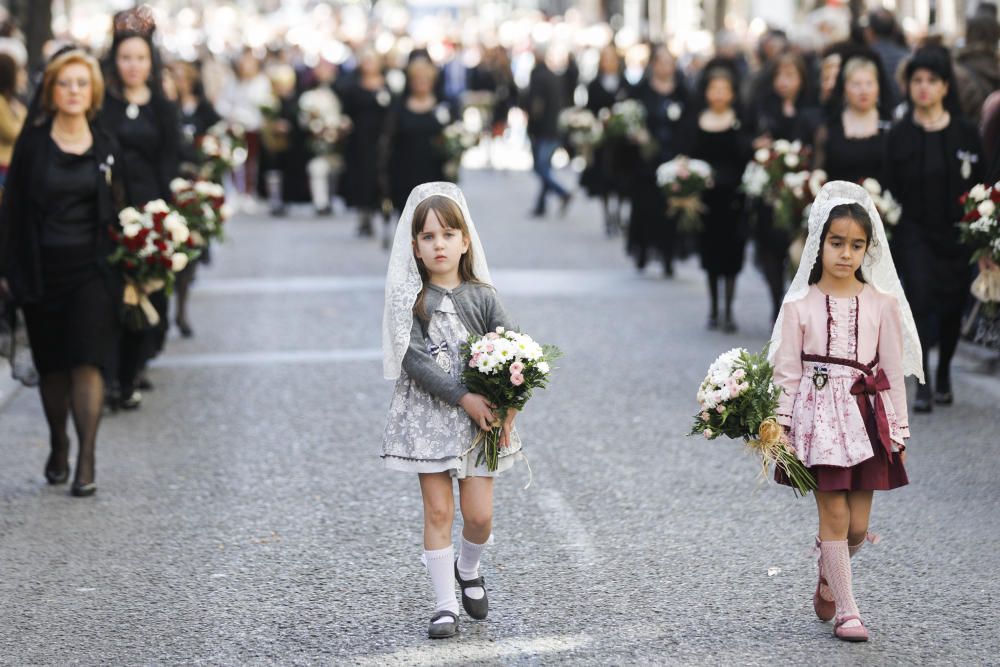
{"x": 888, "y": 208}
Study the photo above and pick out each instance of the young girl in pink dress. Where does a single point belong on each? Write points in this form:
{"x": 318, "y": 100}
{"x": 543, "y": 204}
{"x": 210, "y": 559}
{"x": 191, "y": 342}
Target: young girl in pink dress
{"x": 843, "y": 342}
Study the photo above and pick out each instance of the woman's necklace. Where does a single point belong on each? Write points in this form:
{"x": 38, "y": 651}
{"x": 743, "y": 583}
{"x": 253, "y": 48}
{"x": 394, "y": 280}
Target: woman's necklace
{"x": 934, "y": 123}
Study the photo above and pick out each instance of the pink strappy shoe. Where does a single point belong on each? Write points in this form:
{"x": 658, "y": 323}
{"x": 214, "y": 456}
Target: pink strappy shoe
{"x": 825, "y": 609}
{"x": 857, "y": 633}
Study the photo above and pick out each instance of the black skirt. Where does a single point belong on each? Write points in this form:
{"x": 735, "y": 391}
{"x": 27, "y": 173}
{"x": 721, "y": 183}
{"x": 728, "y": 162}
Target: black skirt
{"x": 76, "y": 321}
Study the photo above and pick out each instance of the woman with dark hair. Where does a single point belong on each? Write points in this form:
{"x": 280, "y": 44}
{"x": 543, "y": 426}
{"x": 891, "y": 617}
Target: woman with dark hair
{"x": 934, "y": 155}
{"x": 718, "y": 137}
{"x": 145, "y": 123}
{"x": 63, "y": 195}
{"x": 850, "y": 145}
{"x": 12, "y": 113}
{"x": 781, "y": 113}
{"x": 602, "y": 177}
{"x": 663, "y": 95}
{"x": 408, "y": 151}
{"x": 366, "y": 102}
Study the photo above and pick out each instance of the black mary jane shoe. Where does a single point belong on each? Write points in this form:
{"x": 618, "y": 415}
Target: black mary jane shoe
{"x": 477, "y": 609}
{"x": 443, "y": 630}
{"x": 713, "y": 323}
{"x": 923, "y": 404}
{"x": 83, "y": 490}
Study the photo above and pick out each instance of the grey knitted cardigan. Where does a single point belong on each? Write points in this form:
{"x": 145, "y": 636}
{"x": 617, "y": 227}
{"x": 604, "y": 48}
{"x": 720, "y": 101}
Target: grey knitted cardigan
{"x": 479, "y": 310}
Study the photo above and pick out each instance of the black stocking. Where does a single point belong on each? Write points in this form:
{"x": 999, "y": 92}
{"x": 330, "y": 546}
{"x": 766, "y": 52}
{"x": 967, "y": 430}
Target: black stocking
{"x": 774, "y": 274}
{"x": 923, "y": 322}
{"x": 713, "y": 296}
{"x": 87, "y": 397}
{"x": 951, "y": 330}
{"x": 55, "y": 390}
{"x": 730, "y": 295}
{"x": 182, "y": 289}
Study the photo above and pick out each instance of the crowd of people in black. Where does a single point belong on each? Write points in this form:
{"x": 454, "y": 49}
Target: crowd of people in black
{"x": 98, "y": 136}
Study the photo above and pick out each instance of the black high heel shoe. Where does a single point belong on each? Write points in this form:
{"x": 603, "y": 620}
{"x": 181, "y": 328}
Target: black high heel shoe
{"x": 83, "y": 490}
{"x": 56, "y": 475}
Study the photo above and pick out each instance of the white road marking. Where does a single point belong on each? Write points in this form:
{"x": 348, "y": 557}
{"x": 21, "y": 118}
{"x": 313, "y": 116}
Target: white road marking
{"x": 458, "y": 651}
{"x": 266, "y": 358}
{"x": 567, "y": 529}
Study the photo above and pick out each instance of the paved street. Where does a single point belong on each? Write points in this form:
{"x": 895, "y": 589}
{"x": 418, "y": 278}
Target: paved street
{"x": 243, "y": 515}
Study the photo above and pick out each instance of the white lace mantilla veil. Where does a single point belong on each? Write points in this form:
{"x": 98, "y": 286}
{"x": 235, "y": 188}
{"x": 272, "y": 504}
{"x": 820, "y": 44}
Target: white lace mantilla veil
{"x": 402, "y": 280}
{"x": 878, "y": 268}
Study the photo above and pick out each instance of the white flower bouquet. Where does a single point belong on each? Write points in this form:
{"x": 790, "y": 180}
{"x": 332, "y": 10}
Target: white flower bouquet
{"x": 505, "y": 367}
{"x": 739, "y": 400}
{"x": 220, "y": 150}
{"x": 582, "y": 129}
{"x": 683, "y": 180}
{"x": 203, "y": 205}
{"x": 455, "y": 139}
{"x": 320, "y": 115}
{"x": 888, "y": 208}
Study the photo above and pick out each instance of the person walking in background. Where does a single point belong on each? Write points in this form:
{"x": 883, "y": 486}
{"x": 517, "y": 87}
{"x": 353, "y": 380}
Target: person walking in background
{"x": 977, "y": 65}
{"x": 12, "y": 113}
{"x": 885, "y": 38}
{"x": 408, "y": 150}
{"x": 663, "y": 96}
{"x": 545, "y": 101}
{"x": 603, "y": 176}
{"x": 366, "y": 103}
{"x": 720, "y": 139}
{"x": 146, "y": 125}
{"x": 934, "y": 155}
{"x": 240, "y": 103}
{"x": 781, "y": 113}
{"x": 63, "y": 194}
{"x": 850, "y": 145}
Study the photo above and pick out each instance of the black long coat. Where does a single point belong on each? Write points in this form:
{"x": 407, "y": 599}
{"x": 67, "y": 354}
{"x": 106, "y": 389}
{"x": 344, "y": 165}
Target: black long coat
{"x": 25, "y": 207}
{"x": 933, "y": 264}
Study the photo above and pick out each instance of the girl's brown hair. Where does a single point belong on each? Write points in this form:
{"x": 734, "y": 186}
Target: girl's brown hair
{"x": 72, "y": 57}
{"x": 449, "y": 214}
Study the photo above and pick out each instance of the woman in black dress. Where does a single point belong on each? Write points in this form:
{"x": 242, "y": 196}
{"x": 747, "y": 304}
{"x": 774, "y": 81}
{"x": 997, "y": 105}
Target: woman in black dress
{"x": 663, "y": 95}
{"x": 719, "y": 138}
{"x": 781, "y": 113}
{"x": 602, "y": 177}
{"x": 196, "y": 115}
{"x": 62, "y": 196}
{"x": 366, "y": 102}
{"x": 409, "y": 153}
{"x": 146, "y": 126}
{"x": 934, "y": 155}
{"x": 850, "y": 145}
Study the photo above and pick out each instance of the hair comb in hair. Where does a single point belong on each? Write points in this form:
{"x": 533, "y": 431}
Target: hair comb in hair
{"x": 139, "y": 21}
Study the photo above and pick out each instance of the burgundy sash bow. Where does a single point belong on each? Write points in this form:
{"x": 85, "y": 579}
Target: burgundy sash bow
{"x": 872, "y": 385}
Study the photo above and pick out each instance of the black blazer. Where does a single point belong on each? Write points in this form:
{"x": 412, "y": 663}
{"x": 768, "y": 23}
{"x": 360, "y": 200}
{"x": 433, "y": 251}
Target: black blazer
{"x": 24, "y": 209}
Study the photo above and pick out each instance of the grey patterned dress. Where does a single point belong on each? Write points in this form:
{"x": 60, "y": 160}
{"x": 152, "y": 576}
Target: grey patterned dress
{"x": 426, "y": 434}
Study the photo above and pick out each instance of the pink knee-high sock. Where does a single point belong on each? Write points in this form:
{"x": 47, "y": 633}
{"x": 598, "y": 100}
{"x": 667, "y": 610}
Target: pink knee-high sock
{"x": 837, "y": 570}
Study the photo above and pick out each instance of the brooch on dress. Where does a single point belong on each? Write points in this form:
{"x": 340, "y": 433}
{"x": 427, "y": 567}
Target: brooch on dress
{"x": 441, "y": 356}
{"x": 820, "y": 378}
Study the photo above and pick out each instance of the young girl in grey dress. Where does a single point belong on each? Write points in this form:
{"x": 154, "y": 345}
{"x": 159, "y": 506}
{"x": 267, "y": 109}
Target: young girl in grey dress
{"x": 438, "y": 292}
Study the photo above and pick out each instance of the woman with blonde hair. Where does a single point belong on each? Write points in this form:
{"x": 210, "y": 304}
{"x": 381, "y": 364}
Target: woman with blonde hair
{"x": 63, "y": 195}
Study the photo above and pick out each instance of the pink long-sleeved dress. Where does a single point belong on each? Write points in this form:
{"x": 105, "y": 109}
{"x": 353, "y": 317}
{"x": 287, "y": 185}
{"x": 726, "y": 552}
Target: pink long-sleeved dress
{"x": 844, "y": 399}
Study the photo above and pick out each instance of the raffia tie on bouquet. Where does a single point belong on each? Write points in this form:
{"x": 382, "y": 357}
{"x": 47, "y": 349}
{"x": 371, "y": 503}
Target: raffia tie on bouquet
{"x": 138, "y": 295}
{"x": 689, "y": 211}
{"x": 986, "y": 286}
{"x": 769, "y": 443}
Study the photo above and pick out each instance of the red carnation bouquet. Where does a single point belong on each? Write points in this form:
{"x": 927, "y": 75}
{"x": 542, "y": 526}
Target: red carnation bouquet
{"x": 151, "y": 246}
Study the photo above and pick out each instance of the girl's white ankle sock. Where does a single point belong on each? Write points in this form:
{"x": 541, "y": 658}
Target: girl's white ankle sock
{"x": 440, "y": 565}
{"x": 468, "y": 566}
